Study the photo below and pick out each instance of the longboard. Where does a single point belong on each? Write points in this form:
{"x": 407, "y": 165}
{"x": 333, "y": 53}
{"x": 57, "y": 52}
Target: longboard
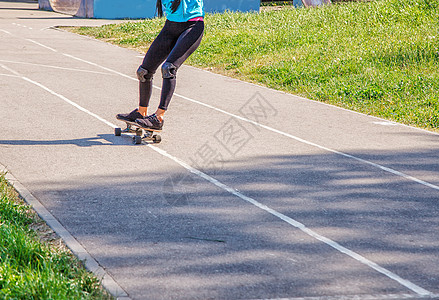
{"x": 141, "y": 134}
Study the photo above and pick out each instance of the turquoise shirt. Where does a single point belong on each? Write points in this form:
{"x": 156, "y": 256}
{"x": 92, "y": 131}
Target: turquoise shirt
{"x": 188, "y": 9}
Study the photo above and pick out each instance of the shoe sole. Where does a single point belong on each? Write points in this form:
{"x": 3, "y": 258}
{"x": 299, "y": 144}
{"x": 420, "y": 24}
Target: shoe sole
{"x": 138, "y": 126}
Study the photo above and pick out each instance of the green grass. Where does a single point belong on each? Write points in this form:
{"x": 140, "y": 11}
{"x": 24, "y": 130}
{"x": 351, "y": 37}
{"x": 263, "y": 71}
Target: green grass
{"x": 379, "y": 58}
{"x": 30, "y": 269}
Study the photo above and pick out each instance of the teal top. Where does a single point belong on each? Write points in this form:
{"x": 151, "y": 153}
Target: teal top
{"x": 188, "y": 9}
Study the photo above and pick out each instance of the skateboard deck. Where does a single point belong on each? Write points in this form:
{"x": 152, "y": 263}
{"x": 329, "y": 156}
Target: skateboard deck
{"x": 139, "y": 134}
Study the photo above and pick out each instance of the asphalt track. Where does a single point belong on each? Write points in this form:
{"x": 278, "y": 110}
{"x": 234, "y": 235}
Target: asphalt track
{"x": 253, "y": 193}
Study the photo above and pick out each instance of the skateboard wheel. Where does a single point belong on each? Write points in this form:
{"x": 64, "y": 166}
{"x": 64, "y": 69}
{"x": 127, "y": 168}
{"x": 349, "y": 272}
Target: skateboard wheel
{"x": 117, "y": 131}
{"x": 157, "y": 139}
{"x": 137, "y": 140}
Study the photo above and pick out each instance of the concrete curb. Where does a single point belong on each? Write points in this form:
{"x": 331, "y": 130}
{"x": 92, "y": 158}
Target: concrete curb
{"x": 77, "y": 249}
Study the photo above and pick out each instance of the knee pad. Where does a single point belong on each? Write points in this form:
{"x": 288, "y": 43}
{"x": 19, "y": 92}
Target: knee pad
{"x": 144, "y": 75}
{"x": 169, "y": 71}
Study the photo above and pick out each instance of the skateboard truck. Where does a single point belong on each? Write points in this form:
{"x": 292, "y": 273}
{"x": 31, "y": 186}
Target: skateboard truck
{"x": 140, "y": 134}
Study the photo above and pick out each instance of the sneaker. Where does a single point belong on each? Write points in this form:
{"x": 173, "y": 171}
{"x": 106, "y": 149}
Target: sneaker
{"x": 150, "y": 122}
{"x": 131, "y": 117}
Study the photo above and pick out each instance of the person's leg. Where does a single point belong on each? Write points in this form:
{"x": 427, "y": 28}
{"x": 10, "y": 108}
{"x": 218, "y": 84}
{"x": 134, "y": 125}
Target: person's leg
{"x": 156, "y": 55}
{"x": 186, "y": 44}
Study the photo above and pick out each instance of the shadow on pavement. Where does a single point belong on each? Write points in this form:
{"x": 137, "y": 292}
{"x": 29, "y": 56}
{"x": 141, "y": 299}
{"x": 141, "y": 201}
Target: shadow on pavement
{"x": 99, "y": 140}
{"x": 173, "y": 235}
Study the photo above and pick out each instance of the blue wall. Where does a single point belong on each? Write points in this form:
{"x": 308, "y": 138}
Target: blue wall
{"x": 139, "y": 9}
{"x": 120, "y": 9}
{"x": 233, "y": 5}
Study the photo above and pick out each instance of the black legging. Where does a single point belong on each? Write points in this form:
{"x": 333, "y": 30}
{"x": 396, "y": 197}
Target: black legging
{"x": 175, "y": 43}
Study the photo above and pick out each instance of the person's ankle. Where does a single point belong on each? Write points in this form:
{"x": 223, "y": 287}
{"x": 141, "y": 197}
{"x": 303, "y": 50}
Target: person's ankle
{"x": 143, "y": 111}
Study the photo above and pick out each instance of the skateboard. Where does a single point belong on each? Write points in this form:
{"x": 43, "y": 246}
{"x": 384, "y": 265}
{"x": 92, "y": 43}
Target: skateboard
{"x": 141, "y": 134}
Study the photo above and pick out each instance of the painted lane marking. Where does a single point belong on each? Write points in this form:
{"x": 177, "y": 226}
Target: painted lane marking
{"x": 290, "y": 136}
{"x": 55, "y": 67}
{"x": 99, "y": 66}
{"x": 59, "y": 96}
{"x": 41, "y": 45}
{"x": 415, "y": 288}
{"x": 9, "y": 75}
{"x": 406, "y": 283}
{"x": 383, "y": 168}
{"x": 386, "y": 169}
{"x": 21, "y": 25}
{"x": 7, "y": 32}
{"x": 317, "y": 102}
{"x": 361, "y": 297}
{"x": 386, "y": 123}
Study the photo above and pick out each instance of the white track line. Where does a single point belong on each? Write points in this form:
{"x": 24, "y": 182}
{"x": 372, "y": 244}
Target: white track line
{"x": 59, "y": 96}
{"x": 7, "y": 32}
{"x": 9, "y": 75}
{"x": 417, "y": 289}
{"x": 362, "y": 297}
{"x": 386, "y": 169}
{"x": 41, "y": 45}
{"x": 409, "y": 285}
{"x": 55, "y": 67}
{"x": 99, "y": 66}
{"x": 383, "y": 168}
{"x": 319, "y": 102}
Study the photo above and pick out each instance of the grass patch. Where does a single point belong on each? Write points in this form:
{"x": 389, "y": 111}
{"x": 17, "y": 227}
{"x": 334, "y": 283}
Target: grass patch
{"x": 30, "y": 269}
{"x": 379, "y": 58}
